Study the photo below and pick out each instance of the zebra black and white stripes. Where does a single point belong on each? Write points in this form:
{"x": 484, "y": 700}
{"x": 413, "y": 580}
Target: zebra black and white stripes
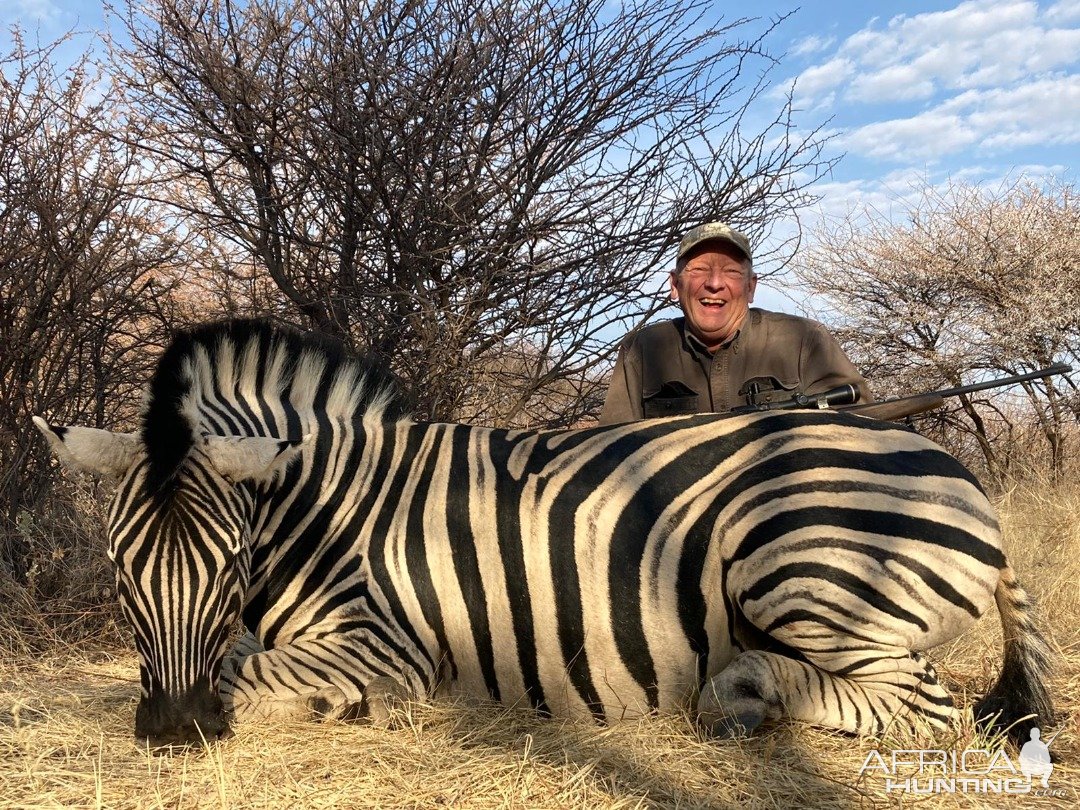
{"x": 776, "y": 564}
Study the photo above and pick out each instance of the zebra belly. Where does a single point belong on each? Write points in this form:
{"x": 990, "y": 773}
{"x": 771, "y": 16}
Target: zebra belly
{"x": 554, "y": 632}
{"x": 526, "y": 592}
{"x": 590, "y": 686}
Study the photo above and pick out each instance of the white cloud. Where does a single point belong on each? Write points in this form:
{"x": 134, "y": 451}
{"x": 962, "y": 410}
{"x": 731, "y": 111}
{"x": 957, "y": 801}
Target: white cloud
{"x": 1056, "y": 47}
{"x": 990, "y": 76}
{"x": 839, "y": 200}
{"x": 1065, "y": 11}
{"x": 898, "y": 82}
{"x": 1041, "y": 170}
{"x": 24, "y": 10}
{"x": 972, "y": 21}
{"x": 822, "y": 78}
{"x": 979, "y": 43}
{"x": 1046, "y": 111}
{"x": 923, "y": 137}
{"x": 899, "y": 192}
{"x": 811, "y": 44}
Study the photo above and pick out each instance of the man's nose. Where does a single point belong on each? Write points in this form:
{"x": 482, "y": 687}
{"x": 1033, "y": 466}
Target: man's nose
{"x": 716, "y": 280}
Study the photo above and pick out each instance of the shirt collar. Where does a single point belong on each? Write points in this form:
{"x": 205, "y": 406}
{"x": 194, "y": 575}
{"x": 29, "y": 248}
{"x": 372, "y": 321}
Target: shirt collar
{"x": 697, "y": 348}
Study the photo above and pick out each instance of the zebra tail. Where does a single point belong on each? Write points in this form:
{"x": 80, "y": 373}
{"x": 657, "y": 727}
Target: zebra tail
{"x": 1020, "y": 700}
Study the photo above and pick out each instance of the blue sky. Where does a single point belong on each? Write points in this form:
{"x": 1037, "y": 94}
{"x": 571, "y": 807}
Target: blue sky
{"x": 979, "y": 91}
{"x": 974, "y": 91}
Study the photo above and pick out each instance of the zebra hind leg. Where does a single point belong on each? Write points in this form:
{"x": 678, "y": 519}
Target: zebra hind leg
{"x": 756, "y": 685}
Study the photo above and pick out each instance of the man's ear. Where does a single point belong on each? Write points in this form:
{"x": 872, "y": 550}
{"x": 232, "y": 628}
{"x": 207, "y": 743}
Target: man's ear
{"x": 100, "y": 452}
{"x": 254, "y": 458}
{"x": 673, "y": 280}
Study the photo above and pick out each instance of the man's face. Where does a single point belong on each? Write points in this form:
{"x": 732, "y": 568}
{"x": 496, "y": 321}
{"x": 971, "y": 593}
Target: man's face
{"x": 715, "y": 290}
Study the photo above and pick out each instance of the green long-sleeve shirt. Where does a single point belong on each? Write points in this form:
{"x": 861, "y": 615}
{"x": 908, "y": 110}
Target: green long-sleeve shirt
{"x": 662, "y": 370}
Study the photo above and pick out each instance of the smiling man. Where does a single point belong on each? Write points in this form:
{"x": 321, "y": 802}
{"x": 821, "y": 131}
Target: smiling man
{"x": 721, "y": 353}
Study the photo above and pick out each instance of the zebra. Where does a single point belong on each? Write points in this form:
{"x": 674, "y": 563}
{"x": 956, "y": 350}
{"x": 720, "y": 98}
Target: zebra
{"x": 742, "y": 568}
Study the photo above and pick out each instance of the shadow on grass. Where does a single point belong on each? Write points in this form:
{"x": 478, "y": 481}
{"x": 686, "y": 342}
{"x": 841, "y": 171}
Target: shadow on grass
{"x": 663, "y": 761}
{"x": 652, "y": 762}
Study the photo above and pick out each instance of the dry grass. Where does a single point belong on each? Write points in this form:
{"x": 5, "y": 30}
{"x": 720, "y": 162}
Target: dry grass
{"x": 66, "y": 740}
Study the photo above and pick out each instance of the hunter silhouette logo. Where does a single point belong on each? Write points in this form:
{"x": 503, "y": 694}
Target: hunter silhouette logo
{"x": 1035, "y": 757}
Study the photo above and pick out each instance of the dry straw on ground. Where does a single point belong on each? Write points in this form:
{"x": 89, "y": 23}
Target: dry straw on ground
{"x": 66, "y": 734}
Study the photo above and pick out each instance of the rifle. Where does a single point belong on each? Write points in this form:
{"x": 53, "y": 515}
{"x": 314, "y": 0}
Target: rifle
{"x": 919, "y": 403}
{"x": 898, "y": 408}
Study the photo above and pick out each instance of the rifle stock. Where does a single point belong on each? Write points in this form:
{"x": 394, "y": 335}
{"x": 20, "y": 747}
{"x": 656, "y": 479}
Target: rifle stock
{"x": 897, "y": 408}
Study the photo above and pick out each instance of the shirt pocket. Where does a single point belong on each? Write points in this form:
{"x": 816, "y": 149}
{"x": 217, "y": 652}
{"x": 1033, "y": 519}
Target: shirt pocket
{"x": 675, "y": 398}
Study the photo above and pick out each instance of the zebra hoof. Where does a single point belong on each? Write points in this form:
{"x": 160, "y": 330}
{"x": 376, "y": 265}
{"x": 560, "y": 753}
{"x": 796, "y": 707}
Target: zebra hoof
{"x": 730, "y": 710}
{"x": 730, "y": 726}
{"x": 329, "y": 703}
{"x": 383, "y": 699}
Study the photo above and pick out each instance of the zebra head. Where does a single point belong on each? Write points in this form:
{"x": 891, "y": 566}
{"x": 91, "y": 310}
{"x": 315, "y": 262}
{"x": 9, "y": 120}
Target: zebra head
{"x": 182, "y": 555}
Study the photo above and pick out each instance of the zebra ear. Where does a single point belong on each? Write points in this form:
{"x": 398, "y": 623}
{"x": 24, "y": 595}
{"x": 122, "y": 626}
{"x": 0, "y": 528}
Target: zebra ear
{"x": 243, "y": 458}
{"x": 100, "y": 452}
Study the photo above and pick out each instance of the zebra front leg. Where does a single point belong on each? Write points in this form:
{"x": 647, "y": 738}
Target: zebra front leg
{"x": 245, "y": 645}
{"x": 759, "y": 685}
{"x": 315, "y": 678}
{"x": 247, "y": 696}
{"x": 247, "y": 703}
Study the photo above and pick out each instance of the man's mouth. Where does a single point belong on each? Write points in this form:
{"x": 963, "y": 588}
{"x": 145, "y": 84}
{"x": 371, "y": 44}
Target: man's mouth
{"x": 712, "y": 302}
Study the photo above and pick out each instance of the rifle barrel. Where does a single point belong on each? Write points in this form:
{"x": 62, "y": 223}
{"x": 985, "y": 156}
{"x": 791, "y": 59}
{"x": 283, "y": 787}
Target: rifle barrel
{"x": 1057, "y": 368}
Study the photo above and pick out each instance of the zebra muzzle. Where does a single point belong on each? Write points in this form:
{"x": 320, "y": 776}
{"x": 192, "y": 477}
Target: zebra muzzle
{"x": 194, "y": 718}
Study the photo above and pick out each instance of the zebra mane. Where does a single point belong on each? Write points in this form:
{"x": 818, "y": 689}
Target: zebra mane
{"x": 220, "y": 377}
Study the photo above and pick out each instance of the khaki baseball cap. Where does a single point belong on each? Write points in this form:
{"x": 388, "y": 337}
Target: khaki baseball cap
{"x": 714, "y": 230}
